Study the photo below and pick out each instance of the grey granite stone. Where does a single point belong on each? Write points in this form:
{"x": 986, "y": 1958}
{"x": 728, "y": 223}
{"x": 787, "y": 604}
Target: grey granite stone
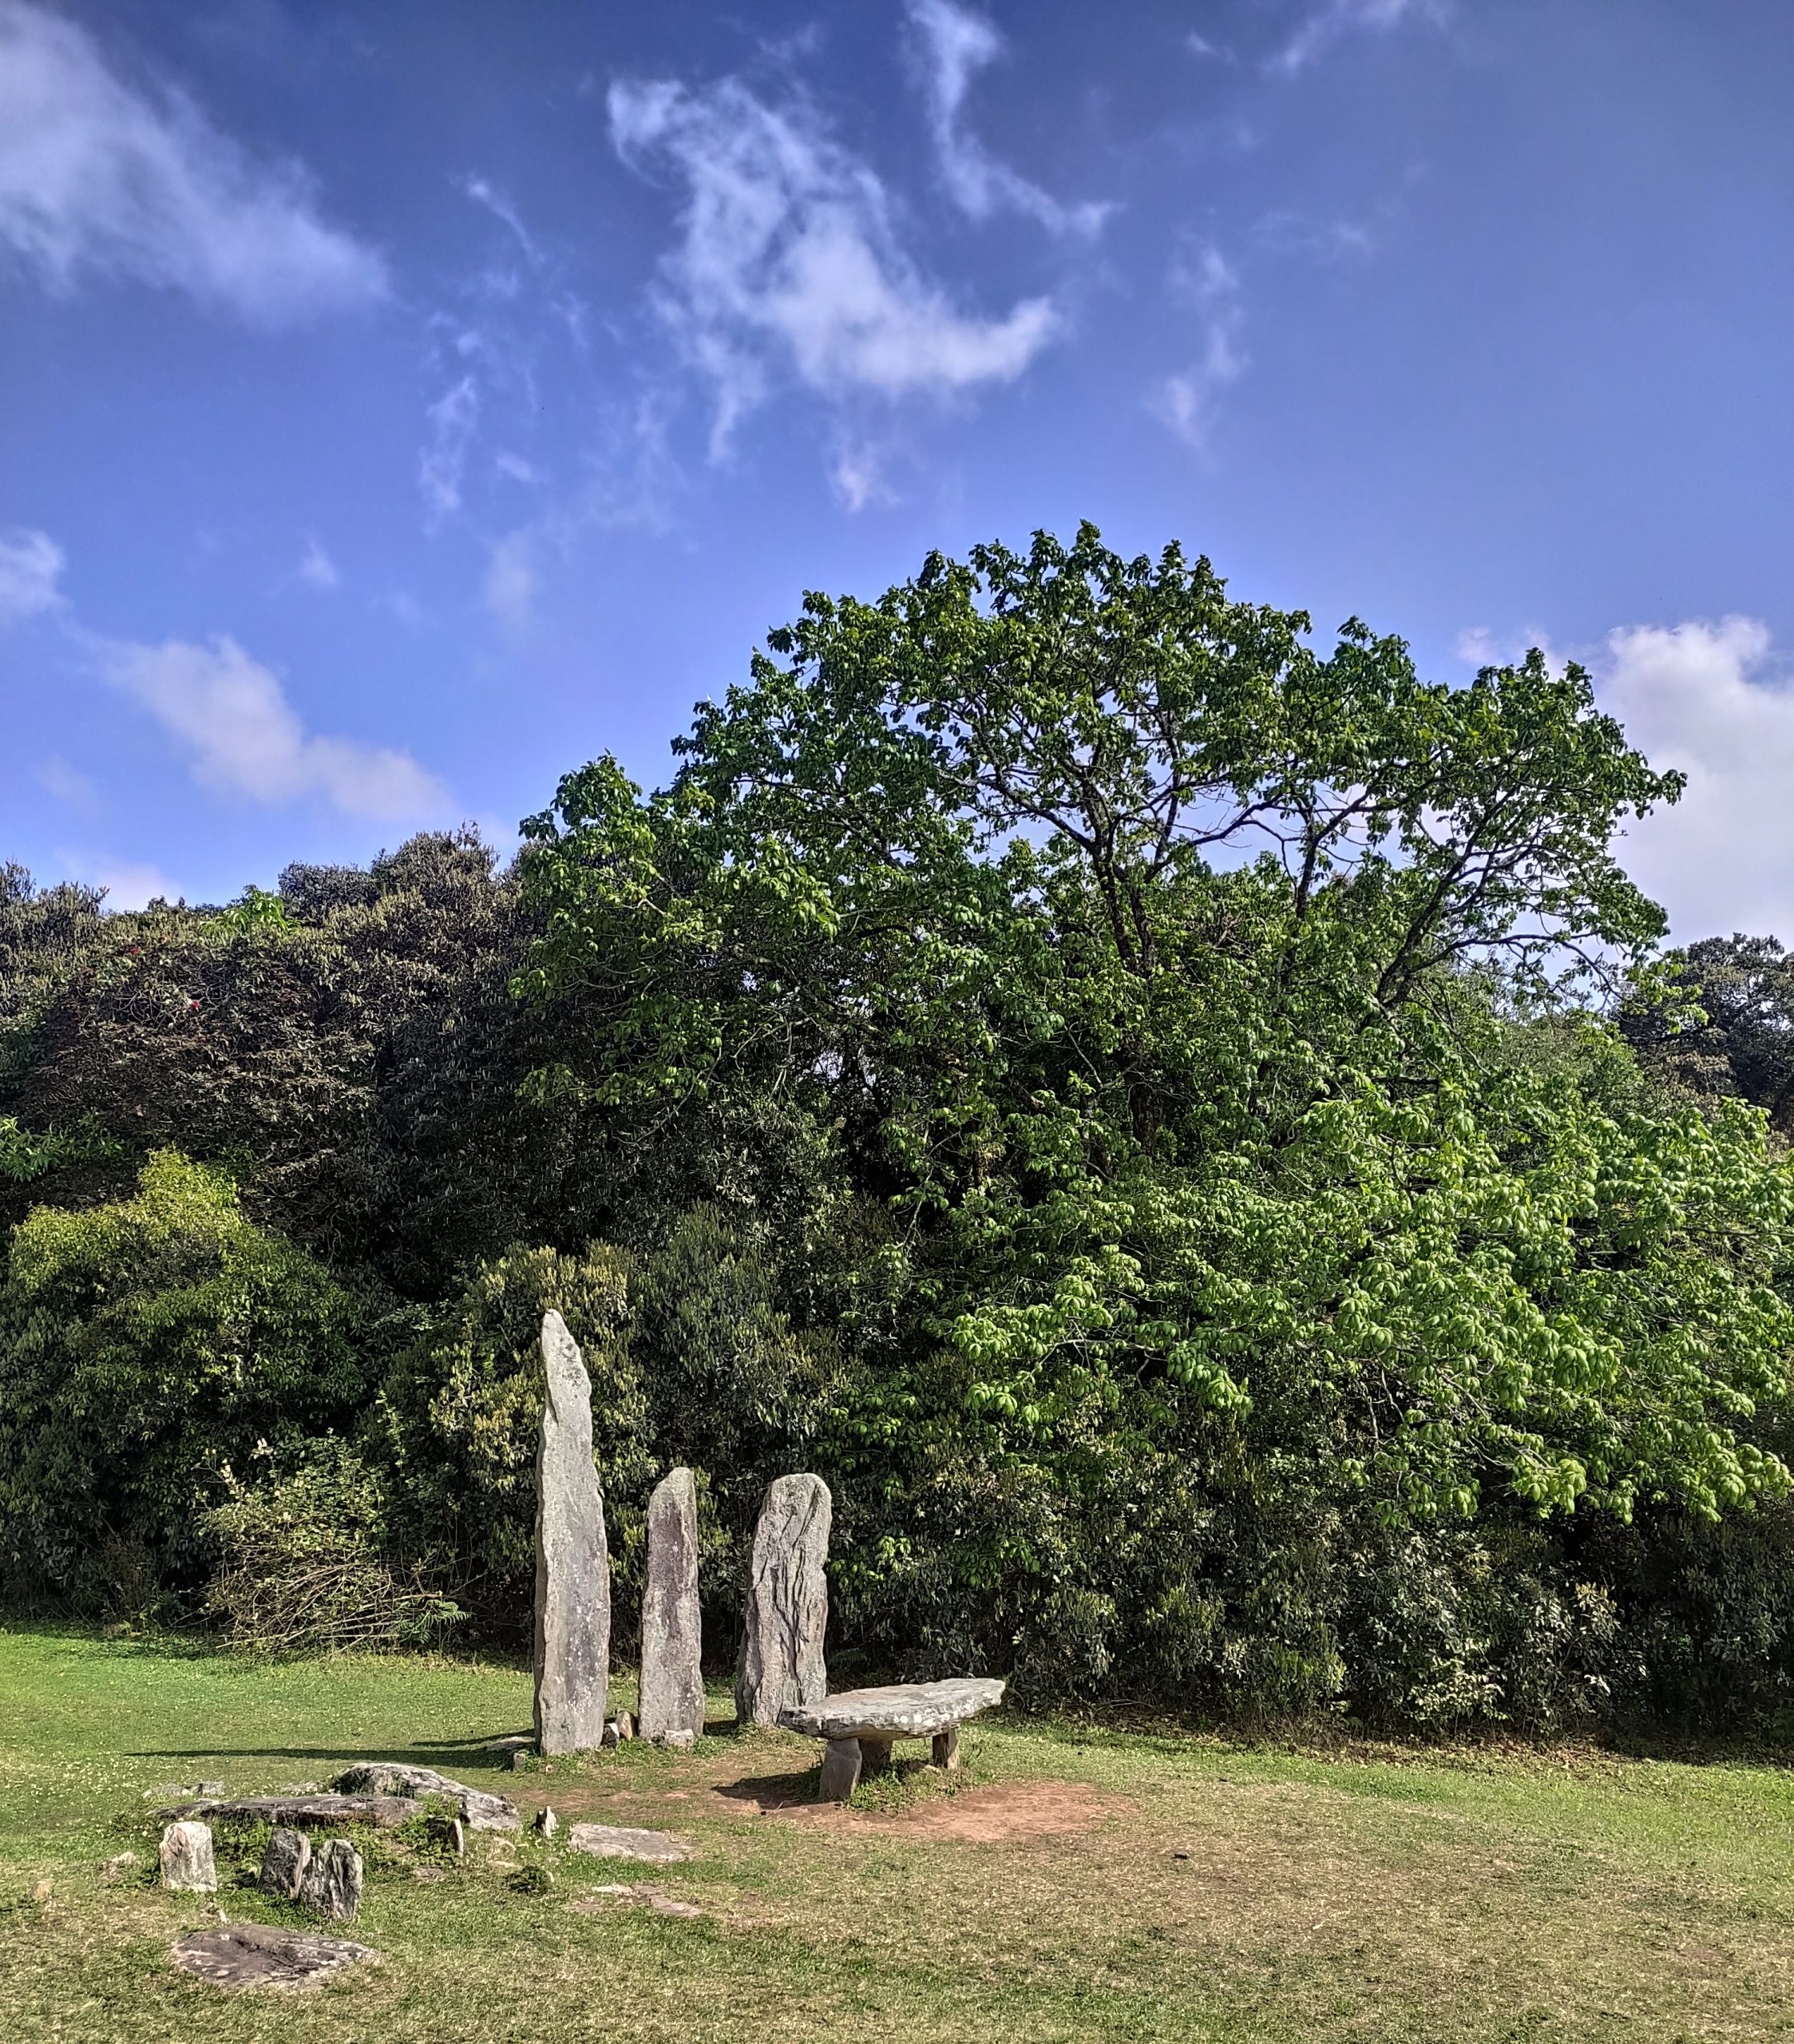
{"x": 186, "y": 1860}
{"x": 260, "y": 1955}
{"x": 283, "y": 1863}
{"x": 481, "y": 1811}
{"x": 672, "y": 1686}
{"x": 331, "y": 1884}
{"x": 613, "y": 1841}
{"x": 782, "y": 1666}
{"x": 572, "y": 1559}
{"x": 904, "y": 1710}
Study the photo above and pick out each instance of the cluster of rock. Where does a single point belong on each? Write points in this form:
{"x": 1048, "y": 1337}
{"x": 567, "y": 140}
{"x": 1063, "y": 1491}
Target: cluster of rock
{"x": 326, "y": 1878}
{"x": 782, "y": 1666}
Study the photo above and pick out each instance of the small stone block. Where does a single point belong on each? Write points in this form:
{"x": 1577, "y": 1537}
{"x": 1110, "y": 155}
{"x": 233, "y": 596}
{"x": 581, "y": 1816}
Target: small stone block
{"x": 841, "y": 1770}
{"x": 284, "y": 1863}
{"x": 187, "y": 1864}
{"x": 613, "y": 1841}
{"x": 875, "y": 1756}
{"x": 547, "y": 1823}
{"x": 332, "y": 1883}
{"x": 946, "y": 1753}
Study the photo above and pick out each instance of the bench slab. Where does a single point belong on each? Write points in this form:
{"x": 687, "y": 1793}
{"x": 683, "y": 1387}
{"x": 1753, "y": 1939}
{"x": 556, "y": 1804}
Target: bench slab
{"x": 901, "y": 1710}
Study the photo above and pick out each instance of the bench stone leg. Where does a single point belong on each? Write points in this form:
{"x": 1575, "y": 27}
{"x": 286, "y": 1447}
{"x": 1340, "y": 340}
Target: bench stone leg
{"x": 876, "y": 1754}
{"x": 947, "y": 1747}
{"x": 841, "y": 1769}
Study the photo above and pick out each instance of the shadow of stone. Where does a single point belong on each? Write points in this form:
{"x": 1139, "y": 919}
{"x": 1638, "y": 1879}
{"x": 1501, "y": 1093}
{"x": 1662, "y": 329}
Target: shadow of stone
{"x": 772, "y": 1792}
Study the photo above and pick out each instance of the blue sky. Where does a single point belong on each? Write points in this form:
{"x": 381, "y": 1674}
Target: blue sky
{"x": 403, "y": 404}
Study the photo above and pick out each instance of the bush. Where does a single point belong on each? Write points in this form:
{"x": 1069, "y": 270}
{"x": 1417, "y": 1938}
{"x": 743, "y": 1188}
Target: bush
{"x": 148, "y": 1349}
{"x": 302, "y": 1566}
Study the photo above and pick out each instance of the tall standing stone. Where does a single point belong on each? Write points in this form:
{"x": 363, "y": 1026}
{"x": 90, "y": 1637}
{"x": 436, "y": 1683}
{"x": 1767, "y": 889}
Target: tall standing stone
{"x": 572, "y": 1559}
{"x": 187, "y": 1864}
{"x": 782, "y": 1664}
{"x": 672, "y": 1701}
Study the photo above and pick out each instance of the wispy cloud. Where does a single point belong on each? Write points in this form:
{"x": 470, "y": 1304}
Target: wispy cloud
{"x": 453, "y": 418}
{"x": 513, "y": 579}
{"x": 1330, "y": 23}
{"x": 1187, "y": 401}
{"x": 954, "y": 45}
{"x": 68, "y": 784}
{"x": 31, "y": 565}
{"x": 242, "y": 735}
{"x": 129, "y": 883}
{"x": 101, "y": 176}
{"x": 787, "y": 260}
{"x": 483, "y": 192}
{"x": 316, "y": 570}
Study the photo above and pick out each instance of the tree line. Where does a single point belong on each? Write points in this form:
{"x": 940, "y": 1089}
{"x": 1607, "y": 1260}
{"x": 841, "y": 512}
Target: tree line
{"x": 1195, "y": 1137}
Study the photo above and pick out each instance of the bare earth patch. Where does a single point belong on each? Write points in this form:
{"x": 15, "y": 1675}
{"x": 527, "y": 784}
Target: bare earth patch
{"x": 998, "y": 1814}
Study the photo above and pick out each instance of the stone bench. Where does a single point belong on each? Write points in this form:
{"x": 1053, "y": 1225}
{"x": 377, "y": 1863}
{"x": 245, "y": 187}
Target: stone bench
{"x": 860, "y": 1724}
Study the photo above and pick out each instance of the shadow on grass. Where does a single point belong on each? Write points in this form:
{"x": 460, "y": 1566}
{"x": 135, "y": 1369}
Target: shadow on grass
{"x": 470, "y": 1752}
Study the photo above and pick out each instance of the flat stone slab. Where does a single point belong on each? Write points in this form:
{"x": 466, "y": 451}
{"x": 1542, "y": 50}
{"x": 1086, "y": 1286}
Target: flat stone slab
{"x": 262, "y": 1955}
{"x": 480, "y": 1810}
{"x": 616, "y": 1841}
{"x": 901, "y": 1710}
{"x": 383, "y": 1811}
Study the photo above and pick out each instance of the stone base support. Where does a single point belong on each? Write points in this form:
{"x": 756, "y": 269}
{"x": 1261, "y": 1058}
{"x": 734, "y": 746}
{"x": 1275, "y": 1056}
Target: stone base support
{"x": 841, "y": 1769}
{"x": 947, "y": 1747}
{"x": 875, "y": 1755}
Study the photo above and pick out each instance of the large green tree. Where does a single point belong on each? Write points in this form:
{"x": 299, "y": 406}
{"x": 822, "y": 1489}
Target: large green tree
{"x": 1153, "y": 974}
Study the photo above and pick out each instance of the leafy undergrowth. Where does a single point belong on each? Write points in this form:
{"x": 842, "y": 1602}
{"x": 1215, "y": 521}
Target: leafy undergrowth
{"x": 1072, "y": 1883}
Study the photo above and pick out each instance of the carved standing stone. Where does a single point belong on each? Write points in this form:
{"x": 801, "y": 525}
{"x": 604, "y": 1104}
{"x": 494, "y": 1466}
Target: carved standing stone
{"x": 572, "y": 1559}
{"x": 782, "y": 1664}
{"x": 672, "y": 1698}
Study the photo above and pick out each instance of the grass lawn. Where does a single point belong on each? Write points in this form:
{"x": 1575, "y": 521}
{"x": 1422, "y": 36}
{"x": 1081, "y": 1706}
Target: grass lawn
{"x": 1073, "y": 1885}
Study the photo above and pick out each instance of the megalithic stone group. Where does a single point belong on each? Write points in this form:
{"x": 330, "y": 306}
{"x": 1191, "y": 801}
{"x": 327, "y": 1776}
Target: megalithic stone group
{"x": 782, "y": 1663}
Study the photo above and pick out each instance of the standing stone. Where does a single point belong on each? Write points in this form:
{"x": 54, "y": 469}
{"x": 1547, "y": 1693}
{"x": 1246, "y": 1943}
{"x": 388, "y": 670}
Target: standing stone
{"x": 284, "y": 1863}
{"x": 331, "y": 1884}
{"x": 187, "y": 1860}
{"x": 672, "y": 1697}
{"x": 782, "y": 1666}
{"x": 572, "y": 1559}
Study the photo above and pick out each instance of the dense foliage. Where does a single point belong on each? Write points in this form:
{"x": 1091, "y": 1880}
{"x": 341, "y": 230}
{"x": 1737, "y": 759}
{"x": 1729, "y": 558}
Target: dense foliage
{"x": 1122, "y": 1092}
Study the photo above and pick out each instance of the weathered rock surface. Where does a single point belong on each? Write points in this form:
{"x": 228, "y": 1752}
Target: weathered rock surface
{"x": 572, "y": 1559}
{"x": 479, "y": 1810}
{"x": 331, "y": 1884}
{"x": 615, "y": 1841}
{"x": 287, "y": 1855}
{"x": 260, "y": 1955}
{"x": 901, "y": 1710}
{"x": 382, "y": 1812}
{"x": 781, "y": 1666}
{"x": 186, "y": 1859}
{"x": 672, "y": 1687}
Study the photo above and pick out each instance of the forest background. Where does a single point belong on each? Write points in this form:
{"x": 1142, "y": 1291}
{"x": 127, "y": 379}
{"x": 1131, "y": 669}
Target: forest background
{"x": 1195, "y": 1138}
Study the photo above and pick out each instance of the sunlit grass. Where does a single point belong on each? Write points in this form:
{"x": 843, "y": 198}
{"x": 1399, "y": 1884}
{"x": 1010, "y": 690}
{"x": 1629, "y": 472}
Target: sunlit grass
{"x": 1076, "y": 1884}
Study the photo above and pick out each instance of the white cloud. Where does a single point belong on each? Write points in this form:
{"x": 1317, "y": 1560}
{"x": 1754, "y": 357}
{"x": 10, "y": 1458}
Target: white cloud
{"x": 786, "y": 258}
{"x": 512, "y": 579}
{"x": 859, "y": 478}
{"x": 1328, "y": 23}
{"x": 452, "y": 418}
{"x": 68, "y": 784}
{"x": 129, "y": 883}
{"x": 243, "y": 736}
{"x": 316, "y": 570}
{"x": 1187, "y": 401}
{"x": 956, "y": 44}
{"x": 105, "y": 177}
{"x": 31, "y": 565}
{"x": 1706, "y": 697}
{"x": 485, "y": 194}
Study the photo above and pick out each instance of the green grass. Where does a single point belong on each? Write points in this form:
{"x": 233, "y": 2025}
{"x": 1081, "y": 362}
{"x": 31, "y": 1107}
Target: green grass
{"x": 1371, "y": 1893}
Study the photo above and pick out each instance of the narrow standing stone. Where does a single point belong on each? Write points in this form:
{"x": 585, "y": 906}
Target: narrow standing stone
{"x": 782, "y": 1664}
{"x": 186, "y": 1859}
{"x": 672, "y": 1697}
{"x": 572, "y": 1559}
